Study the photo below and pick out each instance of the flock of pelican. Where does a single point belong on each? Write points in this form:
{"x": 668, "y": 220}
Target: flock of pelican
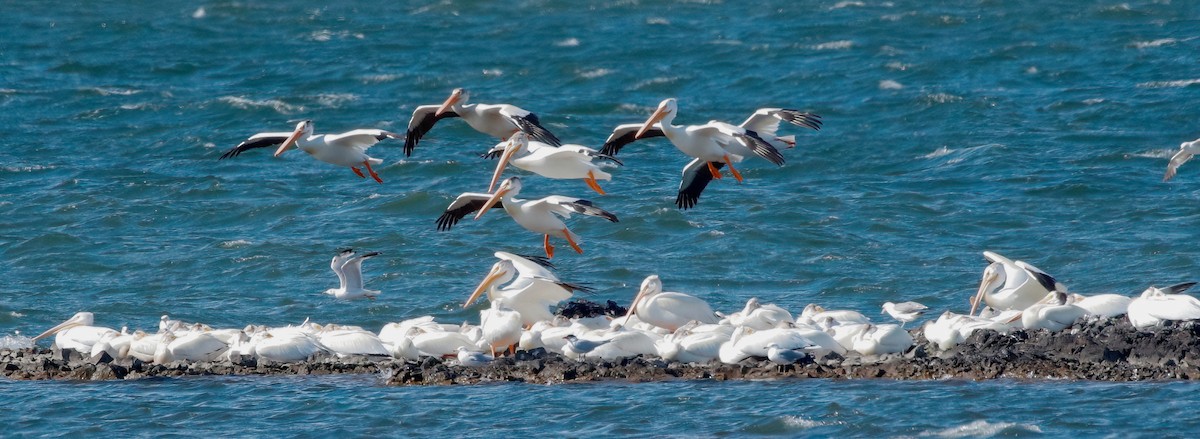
{"x": 671, "y": 325}
{"x": 522, "y": 290}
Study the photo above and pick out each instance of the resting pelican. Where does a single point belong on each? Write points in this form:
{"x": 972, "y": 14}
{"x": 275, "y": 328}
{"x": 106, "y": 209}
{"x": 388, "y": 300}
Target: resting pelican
{"x": 1053, "y": 313}
{"x": 904, "y": 312}
{"x": 711, "y": 145}
{"x": 539, "y": 216}
{"x": 352, "y": 341}
{"x": 501, "y": 326}
{"x": 882, "y": 339}
{"x": 668, "y": 310}
{"x": 286, "y": 346}
{"x": 500, "y": 120}
{"x": 759, "y": 316}
{"x": 1160, "y": 304}
{"x": 1012, "y": 285}
{"x": 533, "y": 291}
{"x": 1186, "y": 151}
{"x": 347, "y": 149}
{"x": 348, "y": 267}
{"x": 1104, "y": 305}
{"x": 563, "y": 162}
{"x": 191, "y": 347}
{"x": 77, "y": 333}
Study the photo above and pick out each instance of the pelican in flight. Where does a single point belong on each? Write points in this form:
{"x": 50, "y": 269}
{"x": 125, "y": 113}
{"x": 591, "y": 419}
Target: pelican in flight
{"x": 563, "y": 162}
{"x": 534, "y": 289}
{"x": 668, "y": 310}
{"x": 348, "y": 267}
{"x": 712, "y": 145}
{"x": 1186, "y": 151}
{"x": 1012, "y": 285}
{"x": 498, "y": 120}
{"x": 540, "y": 216}
{"x": 347, "y": 149}
{"x": 77, "y": 333}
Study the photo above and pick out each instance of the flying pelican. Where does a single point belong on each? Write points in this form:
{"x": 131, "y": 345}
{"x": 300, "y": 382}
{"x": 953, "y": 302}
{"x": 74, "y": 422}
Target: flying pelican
{"x": 1186, "y": 151}
{"x": 539, "y": 216}
{"x": 348, "y": 267}
{"x": 563, "y": 162}
{"x": 1012, "y": 285}
{"x": 533, "y": 291}
{"x": 904, "y": 312}
{"x": 499, "y": 120}
{"x": 77, "y": 333}
{"x": 668, "y": 310}
{"x": 347, "y": 149}
{"x": 711, "y": 145}
{"x": 1159, "y": 304}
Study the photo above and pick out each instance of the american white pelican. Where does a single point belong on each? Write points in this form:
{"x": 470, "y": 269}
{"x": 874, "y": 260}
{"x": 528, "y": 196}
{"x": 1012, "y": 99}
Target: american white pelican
{"x": 759, "y": 316}
{"x": 1012, "y": 285}
{"x": 904, "y": 312}
{"x": 499, "y": 120}
{"x": 191, "y": 347}
{"x": 534, "y": 289}
{"x": 539, "y": 216}
{"x": 950, "y": 329}
{"x": 440, "y": 343}
{"x": 1186, "y": 151}
{"x": 286, "y": 346}
{"x": 1160, "y": 304}
{"x": 115, "y": 344}
{"x": 668, "y": 310}
{"x": 1053, "y": 313}
{"x": 686, "y": 346}
{"x": 501, "y": 326}
{"x": 817, "y": 315}
{"x": 1104, "y": 305}
{"x": 711, "y": 145}
{"x": 564, "y": 162}
{"x": 882, "y": 339}
{"x": 348, "y": 267}
{"x": 347, "y": 149}
{"x": 352, "y": 341}
{"x": 77, "y": 333}
{"x": 469, "y": 358}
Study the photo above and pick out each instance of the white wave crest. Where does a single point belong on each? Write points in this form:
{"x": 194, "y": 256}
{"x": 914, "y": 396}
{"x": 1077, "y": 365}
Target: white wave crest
{"x": 1155, "y": 43}
{"x": 888, "y": 84}
{"x": 569, "y": 42}
{"x": 593, "y": 74}
{"x": 981, "y": 428}
{"x": 335, "y": 100}
{"x": 15, "y": 342}
{"x": 274, "y": 104}
{"x": 237, "y": 243}
{"x": 834, "y": 45}
{"x": 846, "y": 4}
{"x": 1165, "y": 84}
{"x": 798, "y": 422}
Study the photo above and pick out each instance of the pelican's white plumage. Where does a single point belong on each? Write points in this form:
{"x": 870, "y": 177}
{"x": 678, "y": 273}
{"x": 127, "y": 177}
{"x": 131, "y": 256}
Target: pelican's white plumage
{"x": 668, "y": 310}
{"x": 501, "y": 326}
{"x": 77, "y": 333}
{"x": 496, "y": 120}
{"x": 1157, "y": 305}
{"x": 1053, "y": 314}
{"x": 567, "y": 162}
{"x": 347, "y": 149}
{"x": 1104, "y": 305}
{"x": 352, "y": 341}
{"x": 1012, "y": 285}
{"x": 542, "y": 216}
{"x": 533, "y": 290}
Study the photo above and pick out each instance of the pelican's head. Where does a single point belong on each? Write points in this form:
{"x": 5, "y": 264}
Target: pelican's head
{"x": 751, "y": 305}
{"x": 666, "y": 108}
{"x": 304, "y": 128}
{"x": 501, "y": 272}
{"x": 516, "y": 143}
{"x": 651, "y": 286}
{"x": 79, "y": 319}
{"x": 511, "y": 186}
{"x": 458, "y": 96}
{"x": 993, "y": 277}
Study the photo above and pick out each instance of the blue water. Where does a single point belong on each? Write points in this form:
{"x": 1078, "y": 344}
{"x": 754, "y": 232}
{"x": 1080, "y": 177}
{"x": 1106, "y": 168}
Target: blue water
{"x": 1039, "y": 131}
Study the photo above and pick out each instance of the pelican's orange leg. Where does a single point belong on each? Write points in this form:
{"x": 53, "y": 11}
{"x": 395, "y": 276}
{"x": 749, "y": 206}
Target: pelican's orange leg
{"x": 591, "y": 182}
{"x": 713, "y": 169}
{"x": 356, "y": 171}
{"x": 736, "y": 174}
{"x": 549, "y": 248}
{"x": 367, "y": 163}
{"x": 567, "y": 234}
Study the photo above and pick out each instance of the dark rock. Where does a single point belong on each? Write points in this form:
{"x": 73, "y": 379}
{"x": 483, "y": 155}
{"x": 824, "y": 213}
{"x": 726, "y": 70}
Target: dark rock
{"x": 101, "y": 358}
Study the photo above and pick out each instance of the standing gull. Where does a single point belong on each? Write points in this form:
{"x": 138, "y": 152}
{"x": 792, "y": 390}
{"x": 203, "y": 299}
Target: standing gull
{"x": 904, "y": 312}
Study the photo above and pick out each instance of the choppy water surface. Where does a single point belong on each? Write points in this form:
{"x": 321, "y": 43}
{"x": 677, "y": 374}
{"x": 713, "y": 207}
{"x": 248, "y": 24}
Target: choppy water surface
{"x": 1039, "y": 131}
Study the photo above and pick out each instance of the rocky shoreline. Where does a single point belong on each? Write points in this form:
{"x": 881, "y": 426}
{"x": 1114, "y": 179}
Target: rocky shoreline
{"x": 1105, "y": 350}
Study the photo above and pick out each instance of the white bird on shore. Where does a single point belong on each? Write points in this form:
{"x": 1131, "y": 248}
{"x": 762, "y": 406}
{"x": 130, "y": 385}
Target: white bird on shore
{"x": 882, "y": 339}
{"x": 1012, "y": 285}
{"x": 534, "y": 288}
{"x": 347, "y": 149}
{"x": 782, "y": 356}
{"x": 1162, "y": 304}
{"x": 1053, "y": 313}
{"x": 352, "y": 341}
{"x": 904, "y": 312}
{"x": 759, "y": 316}
{"x": 1104, "y": 305}
{"x": 77, "y": 333}
{"x": 285, "y": 346}
{"x": 1186, "y": 151}
{"x": 577, "y": 347}
{"x": 501, "y": 326}
{"x": 469, "y": 358}
{"x": 668, "y": 310}
{"x": 191, "y": 347}
{"x": 348, "y": 267}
